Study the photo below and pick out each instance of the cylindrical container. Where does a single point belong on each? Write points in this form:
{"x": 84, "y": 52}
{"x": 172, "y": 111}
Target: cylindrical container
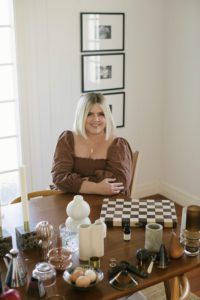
{"x": 97, "y": 240}
{"x": 103, "y": 224}
{"x": 95, "y": 262}
{"x": 85, "y": 242}
{"x": 153, "y": 237}
{"x": 193, "y": 218}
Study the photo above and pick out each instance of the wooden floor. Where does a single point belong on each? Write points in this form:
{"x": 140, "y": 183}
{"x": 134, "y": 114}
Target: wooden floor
{"x": 194, "y": 276}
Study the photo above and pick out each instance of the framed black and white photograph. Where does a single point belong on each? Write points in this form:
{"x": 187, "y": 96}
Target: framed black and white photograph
{"x": 102, "y": 32}
{"x": 103, "y": 72}
{"x": 116, "y": 102}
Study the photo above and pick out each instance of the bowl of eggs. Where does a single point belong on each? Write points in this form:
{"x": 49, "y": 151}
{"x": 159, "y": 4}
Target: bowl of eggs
{"x": 83, "y": 277}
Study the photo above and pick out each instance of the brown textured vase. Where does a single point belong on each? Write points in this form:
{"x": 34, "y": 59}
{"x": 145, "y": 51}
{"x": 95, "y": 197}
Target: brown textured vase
{"x": 176, "y": 250}
{"x": 44, "y": 232}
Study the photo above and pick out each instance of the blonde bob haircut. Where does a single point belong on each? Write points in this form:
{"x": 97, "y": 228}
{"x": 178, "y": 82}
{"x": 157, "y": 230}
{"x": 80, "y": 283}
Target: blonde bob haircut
{"x": 83, "y": 108}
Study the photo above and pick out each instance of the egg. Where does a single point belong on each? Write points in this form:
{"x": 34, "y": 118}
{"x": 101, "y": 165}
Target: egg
{"x": 91, "y": 274}
{"x": 79, "y": 269}
{"x": 75, "y": 275}
{"x": 83, "y": 281}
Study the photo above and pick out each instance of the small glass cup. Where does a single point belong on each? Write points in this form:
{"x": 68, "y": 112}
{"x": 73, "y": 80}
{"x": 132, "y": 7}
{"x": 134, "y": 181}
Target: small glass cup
{"x": 95, "y": 262}
{"x": 69, "y": 238}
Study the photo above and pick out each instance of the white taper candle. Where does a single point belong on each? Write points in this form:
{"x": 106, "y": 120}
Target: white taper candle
{"x": 25, "y": 209}
{"x": 0, "y": 215}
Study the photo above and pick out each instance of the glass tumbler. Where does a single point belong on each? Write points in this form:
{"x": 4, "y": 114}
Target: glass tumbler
{"x": 69, "y": 238}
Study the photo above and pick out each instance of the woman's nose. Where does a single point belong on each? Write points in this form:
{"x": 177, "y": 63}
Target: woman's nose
{"x": 96, "y": 117}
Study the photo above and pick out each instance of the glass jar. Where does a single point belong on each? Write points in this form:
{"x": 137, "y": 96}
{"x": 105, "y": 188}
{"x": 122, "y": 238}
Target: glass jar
{"x": 45, "y": 273}
{"x": 60, "y": 258}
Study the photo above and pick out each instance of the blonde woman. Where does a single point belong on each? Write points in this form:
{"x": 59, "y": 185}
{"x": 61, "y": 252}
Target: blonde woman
{"x": 91, "y": 159}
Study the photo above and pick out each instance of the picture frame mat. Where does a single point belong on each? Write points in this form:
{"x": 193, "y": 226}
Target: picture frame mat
{"x": 91, "y": 23}
{"x": 116, "y": 101}
{"x": 91, "y": 65}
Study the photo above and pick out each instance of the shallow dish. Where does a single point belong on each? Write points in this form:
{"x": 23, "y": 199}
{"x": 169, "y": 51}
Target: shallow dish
{"x": 67, "y": 274}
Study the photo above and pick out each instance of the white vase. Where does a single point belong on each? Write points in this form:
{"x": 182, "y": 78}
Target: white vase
{"x": 78, "y": 211}
{"x": 73, "y": 224}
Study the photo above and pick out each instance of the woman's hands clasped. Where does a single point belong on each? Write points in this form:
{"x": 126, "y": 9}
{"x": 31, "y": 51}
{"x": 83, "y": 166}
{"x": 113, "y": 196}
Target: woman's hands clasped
{"x": 109, "y": 186}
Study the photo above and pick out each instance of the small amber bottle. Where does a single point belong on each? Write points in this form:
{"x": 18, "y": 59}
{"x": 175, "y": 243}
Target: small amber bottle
{"x": 127, "y": 232}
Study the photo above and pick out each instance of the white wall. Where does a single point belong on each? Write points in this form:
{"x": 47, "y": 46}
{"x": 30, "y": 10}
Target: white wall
{"x": 181, "y": 114}
{"x": 48, "y": 44}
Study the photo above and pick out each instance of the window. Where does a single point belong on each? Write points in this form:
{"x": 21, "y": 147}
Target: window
{"x": 9, "y": 110}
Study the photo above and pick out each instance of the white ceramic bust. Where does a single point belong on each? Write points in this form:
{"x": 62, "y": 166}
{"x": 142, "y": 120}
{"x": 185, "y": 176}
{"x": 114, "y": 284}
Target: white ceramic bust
{"x": 78, "y": 211}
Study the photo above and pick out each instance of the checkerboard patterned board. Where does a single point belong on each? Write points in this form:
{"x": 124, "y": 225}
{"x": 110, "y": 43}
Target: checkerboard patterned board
{"x": 115, "y": 212}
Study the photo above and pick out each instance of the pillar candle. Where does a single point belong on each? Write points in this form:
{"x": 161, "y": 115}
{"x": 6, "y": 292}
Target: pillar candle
{"x": 183, "y": 223}
{"x": 0, "y": 217}
{"x": 25, "y": 210}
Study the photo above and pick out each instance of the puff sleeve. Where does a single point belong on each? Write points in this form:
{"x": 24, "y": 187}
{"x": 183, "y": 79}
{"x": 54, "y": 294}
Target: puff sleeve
{"x": 119, "y": 164}
{"x": 62, "y": 170}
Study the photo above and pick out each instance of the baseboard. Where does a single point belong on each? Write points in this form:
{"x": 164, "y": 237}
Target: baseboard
{"x": 177, "y": 195}
{"x": 146, "y": 189}
{"x": 169, "y": 191}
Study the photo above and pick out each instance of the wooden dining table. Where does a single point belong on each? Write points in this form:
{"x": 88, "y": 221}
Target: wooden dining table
{"x": 53, "y": 210}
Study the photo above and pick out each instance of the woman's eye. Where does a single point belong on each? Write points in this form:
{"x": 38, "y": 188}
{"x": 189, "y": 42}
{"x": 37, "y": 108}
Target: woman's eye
{"x": 90, "y": 114}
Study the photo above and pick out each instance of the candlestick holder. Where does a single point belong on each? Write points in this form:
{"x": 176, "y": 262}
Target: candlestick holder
{"x": 26, "y": 237}
{"x": 5, "y": 242}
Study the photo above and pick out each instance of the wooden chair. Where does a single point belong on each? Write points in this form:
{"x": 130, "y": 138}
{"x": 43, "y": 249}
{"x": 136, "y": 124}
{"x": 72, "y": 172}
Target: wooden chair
{"x": 35, "y": 194}
{"x": 135, "y": 168}
{"x": 179, "y": 288}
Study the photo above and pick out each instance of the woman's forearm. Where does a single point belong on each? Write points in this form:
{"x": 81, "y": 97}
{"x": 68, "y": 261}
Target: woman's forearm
{"x": 89, "y": 187}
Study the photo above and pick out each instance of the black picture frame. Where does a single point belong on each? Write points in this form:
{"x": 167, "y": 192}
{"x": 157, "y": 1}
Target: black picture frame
{"x": 102, "y": 31}
{"x": 116, "y": 102}
{"x": 103, "y": 72}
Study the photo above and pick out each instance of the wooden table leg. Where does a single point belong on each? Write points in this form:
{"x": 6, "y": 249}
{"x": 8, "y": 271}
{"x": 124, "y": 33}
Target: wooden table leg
{"x": 167, "y": 290}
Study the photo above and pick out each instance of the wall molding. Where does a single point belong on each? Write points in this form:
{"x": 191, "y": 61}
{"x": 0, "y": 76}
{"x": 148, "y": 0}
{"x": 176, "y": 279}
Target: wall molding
{"x": 146, "y": 189}
{"x": 177, "y": 195}
{"x": 169, "y": 191}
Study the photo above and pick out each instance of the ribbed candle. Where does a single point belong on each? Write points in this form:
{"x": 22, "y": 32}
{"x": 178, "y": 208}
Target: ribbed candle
{"x": 193, "y": 218}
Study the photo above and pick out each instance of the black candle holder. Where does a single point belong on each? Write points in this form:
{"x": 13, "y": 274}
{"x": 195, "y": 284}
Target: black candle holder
{"x": 26, "y": 239}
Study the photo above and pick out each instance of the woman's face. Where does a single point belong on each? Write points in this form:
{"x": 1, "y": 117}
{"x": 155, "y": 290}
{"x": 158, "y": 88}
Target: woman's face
{"x": 95, "y": 121}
